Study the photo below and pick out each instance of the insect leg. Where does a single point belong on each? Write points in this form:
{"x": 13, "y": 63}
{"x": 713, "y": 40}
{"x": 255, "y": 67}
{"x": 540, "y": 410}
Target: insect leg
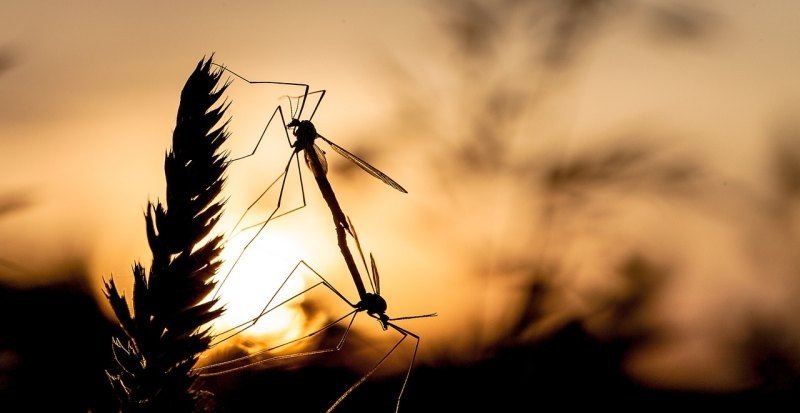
{"x": 410, "y": 365}
{"x": 256, "y": 82}
{"x": 302, "y": 193}
{"x": 271, "y": 217}
{"x": 260, "y": 138}
{"x": 355, "y": 385}
{"x": 267, "y": 309}
{"x": 201, "y": 371}
{"x": 261, "y": 228}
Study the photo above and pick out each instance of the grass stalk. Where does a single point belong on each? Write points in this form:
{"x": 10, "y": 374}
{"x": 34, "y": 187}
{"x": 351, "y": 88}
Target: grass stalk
{"x": 162, "y": 331}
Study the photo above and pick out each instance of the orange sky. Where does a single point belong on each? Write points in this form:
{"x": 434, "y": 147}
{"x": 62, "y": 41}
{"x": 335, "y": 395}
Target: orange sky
{"x": 90, "y": 98}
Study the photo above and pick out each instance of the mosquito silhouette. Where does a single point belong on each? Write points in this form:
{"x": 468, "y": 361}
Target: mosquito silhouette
{"x": 373, "y": 304}
{"x": 305, "y": 134}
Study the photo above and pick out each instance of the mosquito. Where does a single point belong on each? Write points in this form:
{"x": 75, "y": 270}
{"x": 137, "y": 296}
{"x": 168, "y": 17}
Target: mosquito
{"x": 373, "y": 304}
{"x": 305, "y": 134}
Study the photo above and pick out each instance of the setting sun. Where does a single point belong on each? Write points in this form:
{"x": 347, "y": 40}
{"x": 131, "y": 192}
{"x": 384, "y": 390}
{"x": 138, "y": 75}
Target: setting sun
{"x": 255, "y": 279}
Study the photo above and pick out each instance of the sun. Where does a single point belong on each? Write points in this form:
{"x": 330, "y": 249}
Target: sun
{"x": 255, "y": 279}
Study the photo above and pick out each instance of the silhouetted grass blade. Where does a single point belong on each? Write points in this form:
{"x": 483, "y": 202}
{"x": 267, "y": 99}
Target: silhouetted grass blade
{"x": 162, "y": 336}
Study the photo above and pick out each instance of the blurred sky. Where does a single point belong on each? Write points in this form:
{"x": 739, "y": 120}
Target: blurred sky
{"x": 90, "y": 90}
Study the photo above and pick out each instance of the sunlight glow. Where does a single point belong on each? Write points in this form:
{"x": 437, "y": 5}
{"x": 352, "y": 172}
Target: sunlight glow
{"x": 255, "y": 279}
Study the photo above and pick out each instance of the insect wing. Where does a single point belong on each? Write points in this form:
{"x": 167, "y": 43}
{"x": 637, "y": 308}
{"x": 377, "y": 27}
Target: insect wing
{"x": 365, "y": 166}
{"x": 375, "y": 276}
{"x": 320, "y": 154}
{"x": 360, "y": 252}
